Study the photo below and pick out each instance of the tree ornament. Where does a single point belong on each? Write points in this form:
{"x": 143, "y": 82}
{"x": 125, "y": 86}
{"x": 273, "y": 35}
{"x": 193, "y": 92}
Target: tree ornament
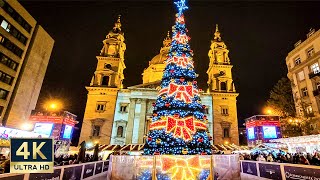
{"x": 153, "y": 104}
{"x": 203, "y": 153}
{"x": 164, "y": 97}
{"x": 156, "y": 153}
{"x": 171, "y": 70}
{"x": 204, "y": 106}
{"x": 204, "y": 117}
{"x": 158, "y": 141}
{"x": 200, "y": 139}
{"x": 155, "y": 114}
{"x": 167, "y": 104}
{"x": 210, "y": 138}
{"x": 149, "y": 138}
{"x": 184, "y": 151}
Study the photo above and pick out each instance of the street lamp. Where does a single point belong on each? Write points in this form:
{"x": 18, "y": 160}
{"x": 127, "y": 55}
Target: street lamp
{"x": 54, "y": 105}
{"x": 268, "y": 111}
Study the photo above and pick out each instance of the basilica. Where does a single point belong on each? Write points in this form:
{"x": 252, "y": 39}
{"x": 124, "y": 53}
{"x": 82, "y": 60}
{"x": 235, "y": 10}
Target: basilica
{"x": 117, "y": 115}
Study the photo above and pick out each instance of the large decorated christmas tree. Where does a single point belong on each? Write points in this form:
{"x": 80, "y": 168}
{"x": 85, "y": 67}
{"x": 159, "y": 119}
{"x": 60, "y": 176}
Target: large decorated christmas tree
{"x": 179, "y": 125}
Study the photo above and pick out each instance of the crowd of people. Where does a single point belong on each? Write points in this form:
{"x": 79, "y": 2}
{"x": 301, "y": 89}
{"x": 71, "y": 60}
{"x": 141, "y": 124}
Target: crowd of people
{"x": 281, "y": 157}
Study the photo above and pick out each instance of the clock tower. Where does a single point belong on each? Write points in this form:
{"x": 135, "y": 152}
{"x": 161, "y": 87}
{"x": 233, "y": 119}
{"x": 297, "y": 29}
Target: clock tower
{"x": 223, "y": 92}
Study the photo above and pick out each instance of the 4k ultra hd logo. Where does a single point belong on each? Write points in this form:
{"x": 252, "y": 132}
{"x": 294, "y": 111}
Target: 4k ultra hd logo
{"x": 30, "y": 155}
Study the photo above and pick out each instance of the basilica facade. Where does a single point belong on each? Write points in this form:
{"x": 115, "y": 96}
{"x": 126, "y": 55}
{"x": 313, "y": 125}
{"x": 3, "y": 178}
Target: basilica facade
{"x": 117, "y": 115}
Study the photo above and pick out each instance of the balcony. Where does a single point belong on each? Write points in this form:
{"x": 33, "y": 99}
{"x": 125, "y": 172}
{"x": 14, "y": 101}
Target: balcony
{"x": 313, "y": 75}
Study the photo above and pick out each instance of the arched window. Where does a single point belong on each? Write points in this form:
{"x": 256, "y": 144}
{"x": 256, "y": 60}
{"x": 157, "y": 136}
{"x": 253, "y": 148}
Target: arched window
{"x": 223, "y": 86}
{"x": 105, "y": 80}
{"x": 226, "y": 132}
{"x": 120, "y": 131}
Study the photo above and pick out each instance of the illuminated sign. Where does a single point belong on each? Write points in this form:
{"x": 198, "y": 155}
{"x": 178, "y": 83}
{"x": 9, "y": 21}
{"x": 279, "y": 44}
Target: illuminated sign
{"x": 269, "y": 132}
{"x": 6, "y": 133}
{"x": 67, "y": 132}
{"x": 251, "y": 133}
{"x": 43, "y": 128}
{"x": 31, "y": 155}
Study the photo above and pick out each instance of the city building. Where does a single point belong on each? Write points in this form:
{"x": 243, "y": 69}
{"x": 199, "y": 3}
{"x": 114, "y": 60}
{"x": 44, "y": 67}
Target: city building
{"x": 304, "y": 73}
{"x": 117, "y": 115}
{"x": 262, "y": 128}
{"x": 25, "y": 49}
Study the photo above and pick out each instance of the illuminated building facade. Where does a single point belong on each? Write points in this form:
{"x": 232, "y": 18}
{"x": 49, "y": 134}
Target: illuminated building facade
{"x": 262, "y": 128}
{"x": 25, "y": 49}
{"x": 304, "y": 73}
{"x": 117, "y": 115}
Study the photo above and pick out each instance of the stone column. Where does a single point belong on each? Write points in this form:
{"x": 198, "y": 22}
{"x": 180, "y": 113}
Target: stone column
{"x": 130, "y": 120}
{"x": 142, "y": 120}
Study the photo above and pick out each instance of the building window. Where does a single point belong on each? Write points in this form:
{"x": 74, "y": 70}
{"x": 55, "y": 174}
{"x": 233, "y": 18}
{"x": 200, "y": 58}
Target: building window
{"x": 318, "y": 85}
{"x": 15, "y": 15}
{"x": 96, "y": 131}
{"x": 1, "y": 109}
{"x": 10, "y": 46}
{"x": 224, "y": 111}
{"x": 226, "y": 132}
{"x": 13, "y": 31}
{"x": 123, "y": 108}
{"x": 297, "y": 61}
{"x": 304, "y": 91}
{"x": 101, "y": 106}
{"x": 301, "y": 76}
{"x": 120, "y": 131}
{"x": 6, "y": 78}
{"x": 107, "y": 66}
{"x": 223, "y": 86}
{"x": 3, "y": 94}
{"x": 309, "y": 110}
{"x": 315, "y": 68}
{"x": 8, "y": 62}
{"x": 105, "y": 80}
{"x": 310, "y": 52}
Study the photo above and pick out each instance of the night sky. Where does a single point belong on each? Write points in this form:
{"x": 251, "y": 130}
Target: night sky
{"x": 259, "y": 35}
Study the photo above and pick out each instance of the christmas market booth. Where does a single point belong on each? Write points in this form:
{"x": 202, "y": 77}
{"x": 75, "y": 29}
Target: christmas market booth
{"x": 105, "y": 150}
{"x": 303, "y": 144}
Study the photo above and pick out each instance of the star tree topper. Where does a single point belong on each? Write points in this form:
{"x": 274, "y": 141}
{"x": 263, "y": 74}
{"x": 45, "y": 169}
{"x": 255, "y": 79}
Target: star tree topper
{"x": 181, "y": 6}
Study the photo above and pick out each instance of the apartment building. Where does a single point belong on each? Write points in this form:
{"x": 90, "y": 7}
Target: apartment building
{"x": 25, "y": 49}
{"x": 304, "y": 72}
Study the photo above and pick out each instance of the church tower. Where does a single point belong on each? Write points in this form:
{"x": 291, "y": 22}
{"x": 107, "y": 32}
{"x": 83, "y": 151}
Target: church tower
{"x": 223, "y": 93}
{"x": 103, "y": 89}
{"x": 158, "y": 63}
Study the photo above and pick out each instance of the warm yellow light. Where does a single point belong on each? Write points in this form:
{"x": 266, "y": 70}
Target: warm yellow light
{"x": 54, "y": 105}
{"x": 290, "y": 120}
{"x": 297, "y": 120}
{"x": 96, "y": 142}
{"x": 226, "y": 142}
{"x": 26, "y": 126}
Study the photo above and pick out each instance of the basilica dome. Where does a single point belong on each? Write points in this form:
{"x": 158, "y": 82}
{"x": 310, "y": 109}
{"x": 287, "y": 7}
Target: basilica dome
{"x": 159, "y": 59}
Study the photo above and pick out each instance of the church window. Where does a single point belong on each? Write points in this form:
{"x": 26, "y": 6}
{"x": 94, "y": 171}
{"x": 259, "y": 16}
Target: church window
{"x": 120, "y": 131}
{"x": 226, "y": 132}
{"x": 96, "y": 131}
{"x": 225, "y": 111}
{"x": 223, "y": 86}
{"x": 107, "y": 66}
{"x": 101, "y": 106}
{"x": 105, "y": 80}
{"x": 297, "y": 61}
{"x": 123, "y": 108}
{"x": 310, "y": 52}
{"x": 304, "y": 91}
{"x": 301, "y": 76}
{"x": 315, "y": 68}
{"x": 309, "y": 110}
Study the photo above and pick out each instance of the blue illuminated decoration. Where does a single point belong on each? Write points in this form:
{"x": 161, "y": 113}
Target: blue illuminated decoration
{"x": 179, "y": 125}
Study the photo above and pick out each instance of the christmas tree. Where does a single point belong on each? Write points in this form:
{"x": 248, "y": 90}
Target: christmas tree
{"x": 179, "y": 125}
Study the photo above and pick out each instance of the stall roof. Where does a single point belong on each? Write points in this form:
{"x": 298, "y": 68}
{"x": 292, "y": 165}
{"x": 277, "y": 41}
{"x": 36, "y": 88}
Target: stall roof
{"x": 299, "y": 139}
{"x": 133, "y": 147}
